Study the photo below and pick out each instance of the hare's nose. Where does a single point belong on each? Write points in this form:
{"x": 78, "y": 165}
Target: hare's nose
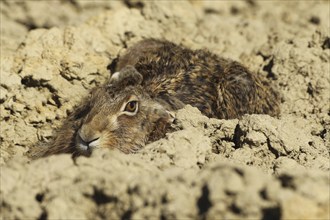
{"x": 86, "y": 141}
{"x": 91, "y": 143}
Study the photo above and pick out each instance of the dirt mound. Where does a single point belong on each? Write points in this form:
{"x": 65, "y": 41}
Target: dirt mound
{"x": 254, "y": 167}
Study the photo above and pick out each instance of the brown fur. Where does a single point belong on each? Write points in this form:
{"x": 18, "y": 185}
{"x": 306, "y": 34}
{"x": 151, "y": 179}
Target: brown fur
{"x": 164, "y": 77}
{"x": 218, "y": 87}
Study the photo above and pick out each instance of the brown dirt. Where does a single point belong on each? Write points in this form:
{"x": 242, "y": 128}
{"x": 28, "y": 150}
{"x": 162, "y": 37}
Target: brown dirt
{"x": 259, "y": 167}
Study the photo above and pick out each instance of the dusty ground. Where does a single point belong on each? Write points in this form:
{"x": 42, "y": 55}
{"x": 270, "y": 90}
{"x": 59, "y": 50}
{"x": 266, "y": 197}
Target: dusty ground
{"x": 258, "y": 167}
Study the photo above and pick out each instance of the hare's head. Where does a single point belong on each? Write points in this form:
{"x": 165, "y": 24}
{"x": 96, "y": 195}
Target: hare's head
{"x": 120, "y": 114}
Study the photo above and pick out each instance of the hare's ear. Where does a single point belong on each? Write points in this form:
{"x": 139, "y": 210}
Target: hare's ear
{"x": 127, "y": 76}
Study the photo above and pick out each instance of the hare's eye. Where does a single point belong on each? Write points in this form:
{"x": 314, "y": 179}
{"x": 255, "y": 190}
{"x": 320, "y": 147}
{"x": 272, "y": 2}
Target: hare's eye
{"x": 131, "y": 106}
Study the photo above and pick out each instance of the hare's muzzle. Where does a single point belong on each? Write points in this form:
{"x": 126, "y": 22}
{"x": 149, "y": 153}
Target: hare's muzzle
{"x": 85, "y": 143}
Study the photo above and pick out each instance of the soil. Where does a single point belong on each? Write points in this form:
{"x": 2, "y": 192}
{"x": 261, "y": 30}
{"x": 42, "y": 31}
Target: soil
{"x": 256, "y": 167}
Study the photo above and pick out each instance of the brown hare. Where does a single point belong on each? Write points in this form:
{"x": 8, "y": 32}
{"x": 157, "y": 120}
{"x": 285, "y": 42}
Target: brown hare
{"x": 153, "y": 79}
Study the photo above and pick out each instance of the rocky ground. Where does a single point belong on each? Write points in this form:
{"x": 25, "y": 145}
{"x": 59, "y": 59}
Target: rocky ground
{"x": 256, "y": 167}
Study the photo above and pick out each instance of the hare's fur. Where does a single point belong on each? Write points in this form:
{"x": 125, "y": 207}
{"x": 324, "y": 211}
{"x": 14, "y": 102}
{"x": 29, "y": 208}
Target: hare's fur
{"x": 162, "y": 77}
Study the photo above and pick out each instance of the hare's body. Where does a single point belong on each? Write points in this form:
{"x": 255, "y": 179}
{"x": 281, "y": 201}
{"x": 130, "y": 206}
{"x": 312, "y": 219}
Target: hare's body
{"x": 156, "y": 77}
{"x": 218, "y": 87}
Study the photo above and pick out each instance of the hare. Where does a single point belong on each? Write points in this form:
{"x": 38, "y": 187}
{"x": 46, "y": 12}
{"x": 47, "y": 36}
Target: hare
{"x": 154, "y": 79}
